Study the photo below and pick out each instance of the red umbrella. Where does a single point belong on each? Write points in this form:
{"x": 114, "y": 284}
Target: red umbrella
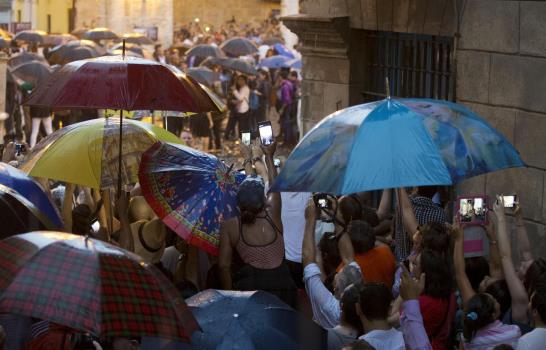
{"x": 116, "y": 82}
{"x": 89, "y": 285}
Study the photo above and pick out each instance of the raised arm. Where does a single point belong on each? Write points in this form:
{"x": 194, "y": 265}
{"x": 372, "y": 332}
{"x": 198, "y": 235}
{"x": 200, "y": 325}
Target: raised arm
{"x": 495, "y": 267}
{"x": 524, "y": 246}
{"x": 308, "y": 250}
{"x": 410, "y": 222}
{"x": 384, "y": 205}
{"x": 273, "y": 198}
{"x": 346, "y": 250}
{"x": 459, "y": 265}
{"x": 520, "y": 300}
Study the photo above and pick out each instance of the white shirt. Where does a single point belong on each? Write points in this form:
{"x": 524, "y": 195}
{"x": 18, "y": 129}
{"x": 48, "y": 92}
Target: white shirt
{"x": 326, "y": 308}
{"x": 391, "y": 339}
{"x": 293, "y": 222}
{"x": 242, "y": 96}
{"x": 535, "y": 340}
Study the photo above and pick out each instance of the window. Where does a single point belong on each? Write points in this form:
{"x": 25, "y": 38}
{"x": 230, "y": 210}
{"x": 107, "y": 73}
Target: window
{"x": 416, "y": 65}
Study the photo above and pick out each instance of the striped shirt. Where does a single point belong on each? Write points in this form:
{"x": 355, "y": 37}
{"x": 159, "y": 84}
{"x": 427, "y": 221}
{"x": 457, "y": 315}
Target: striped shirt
{"x": 492, "y": 335}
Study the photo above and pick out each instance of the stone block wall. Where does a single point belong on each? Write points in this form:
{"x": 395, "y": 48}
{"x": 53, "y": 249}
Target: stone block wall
{"x": 501, "y": 75}
{"x": 215, "y": 12}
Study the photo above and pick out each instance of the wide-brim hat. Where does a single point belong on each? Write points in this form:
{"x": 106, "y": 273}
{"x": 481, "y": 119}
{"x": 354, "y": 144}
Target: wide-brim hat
{"x": 149, "y": 239}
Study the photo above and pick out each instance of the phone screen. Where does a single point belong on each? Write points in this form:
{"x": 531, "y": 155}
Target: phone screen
{"x": 472, "y": 210}
{"x": 277, "y": 162}
{"x": 509, "y": 201}
{"x": 95, "y": 226}
{"x": 266, "y": 133}
{"x": 245, "y": 138}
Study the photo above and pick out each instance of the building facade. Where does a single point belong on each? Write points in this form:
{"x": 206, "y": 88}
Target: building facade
{"x": 487, "y": 54}
{"x": 52, "y": 16}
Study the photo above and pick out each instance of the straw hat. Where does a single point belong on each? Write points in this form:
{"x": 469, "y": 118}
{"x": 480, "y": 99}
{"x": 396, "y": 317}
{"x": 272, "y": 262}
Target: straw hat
{"x": 149, "y": 239}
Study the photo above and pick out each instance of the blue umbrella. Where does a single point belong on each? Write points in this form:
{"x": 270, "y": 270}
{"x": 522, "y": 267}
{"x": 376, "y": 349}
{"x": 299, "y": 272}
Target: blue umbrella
{"x": 276, "y": 61}
{"x": 283, "y": 50}
{"x": 191, "y": 191}
{"x": 30, "y": 194}
{"x": 295, "y": 63}
{"x": 395, "y": 143}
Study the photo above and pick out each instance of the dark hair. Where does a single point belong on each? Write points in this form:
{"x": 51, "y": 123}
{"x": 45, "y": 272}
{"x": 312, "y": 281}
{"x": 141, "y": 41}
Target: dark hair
{"x": 283, "y": 73}
{"x": 478, "y": 313}
{"x": 81, "y": 219}
{"x": 435, "y": 237}
{"x": 438, "y": 281}
{"x": 476, "y": 268}
{"x": 427, "y": 191}
{"x": 499, "y": 290}
{"x": 535, "y": 273}
{"x": 293, "y": 73}
{"x": 538, "y": 300}
{"x": 362, "y": 236}
{"x": 375, "y": 301}
{"x": 503, "y": 347}
{"x": 186, "y": 288}
{"x": 330, "y": 253}
{"x": 360, "y": 345}
{"x": 349, "y": 299}
{"x": 350, "y": 209}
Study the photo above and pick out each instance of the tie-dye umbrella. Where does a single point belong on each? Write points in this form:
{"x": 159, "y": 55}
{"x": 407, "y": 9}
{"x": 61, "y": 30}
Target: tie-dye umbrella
{"x": 191, "y": 191}
{"x": 395, "y": 143}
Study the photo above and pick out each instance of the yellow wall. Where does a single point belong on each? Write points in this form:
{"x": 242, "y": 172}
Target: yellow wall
{"x": 40, "y": 9}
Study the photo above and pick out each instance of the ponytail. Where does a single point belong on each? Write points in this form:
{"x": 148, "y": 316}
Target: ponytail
{"x": 478, "y": 313}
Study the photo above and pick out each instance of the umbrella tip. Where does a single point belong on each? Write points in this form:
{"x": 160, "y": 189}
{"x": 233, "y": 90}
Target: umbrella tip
{"x": 387, "y": 88}
{"x": 123, "y": 49}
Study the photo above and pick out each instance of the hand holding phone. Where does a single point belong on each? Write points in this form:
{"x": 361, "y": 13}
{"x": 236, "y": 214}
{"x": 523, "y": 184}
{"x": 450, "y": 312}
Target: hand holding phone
{"x": 472, "y": 210}
{"x": 266, "y": 133}
{"x": 245, "y": 138}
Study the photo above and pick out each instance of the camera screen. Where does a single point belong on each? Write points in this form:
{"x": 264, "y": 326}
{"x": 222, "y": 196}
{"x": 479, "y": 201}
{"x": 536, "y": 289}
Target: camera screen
{"x": 266, "y": 133}
{"x": 509, "y": 201}
{"x": 323, "y": 203}
{"x": 472, "y": 210}
{"x": 245, "y": 138}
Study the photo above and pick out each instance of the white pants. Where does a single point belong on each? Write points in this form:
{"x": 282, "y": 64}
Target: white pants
{"x": 36, "y": 128}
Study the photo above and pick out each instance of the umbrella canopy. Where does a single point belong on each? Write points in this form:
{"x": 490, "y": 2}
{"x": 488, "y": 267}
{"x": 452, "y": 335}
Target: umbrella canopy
{"x": 272, "y": 41}
{"x": 204, "y": 50}
{"x": 238, "y": 46}
{"x": 295, "y": 63}
{"x": 136, "y": 38}
{"x": 203, "y": 75}
{"x": 276, "y": 61}
{"x": 115, "y": 83}
{"x": 89, "y": 285}
{"x": 18, "y": 215}
{"x": 64, "y": 55}
{"x": 119, "y": 52}
{"x": 191, "y": 191}
{"x": 58, "y": 39}
{"x": 251, "y": 320}
{"x": 29, "y": 192}
{"x": 5, "y": 34}
{"x": 99, "y": 34}
{"x": 31, "y": 36}
{"x": 395, "y": 143}
{"x": 91, "y": 149}
{"x": 129, "y": 48}
{"x": 236, "y": 64}
{"x": 32, "y": 72}
{"x": 25, "y": 57}
{"x": 283, "y": 51}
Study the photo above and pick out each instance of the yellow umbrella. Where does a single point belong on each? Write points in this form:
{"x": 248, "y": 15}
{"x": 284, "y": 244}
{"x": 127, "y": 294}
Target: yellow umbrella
{"x": 86, "y": 153}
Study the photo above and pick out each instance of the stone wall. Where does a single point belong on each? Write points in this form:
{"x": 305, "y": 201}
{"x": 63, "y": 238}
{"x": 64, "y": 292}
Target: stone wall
{"x": 123, "y": 15}
{"x": 215, "y": 13}
{"x": 501, "y": 75}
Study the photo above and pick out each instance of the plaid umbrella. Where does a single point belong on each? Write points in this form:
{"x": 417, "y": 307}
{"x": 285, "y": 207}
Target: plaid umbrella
{"x": 89, "y": 285}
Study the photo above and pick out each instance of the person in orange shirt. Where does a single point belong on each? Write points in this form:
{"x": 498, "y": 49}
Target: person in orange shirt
{"x": 377, "y": 263}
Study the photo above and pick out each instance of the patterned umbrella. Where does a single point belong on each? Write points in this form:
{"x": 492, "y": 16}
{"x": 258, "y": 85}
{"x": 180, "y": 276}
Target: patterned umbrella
{"x": 238, "y": 46}
{"x": 191, "y": 191}
{"x": 395, "y": 143}
{"x": 90, "y": 286}
{"x": 99, "y": 34}
{"x": 91, "y": 150}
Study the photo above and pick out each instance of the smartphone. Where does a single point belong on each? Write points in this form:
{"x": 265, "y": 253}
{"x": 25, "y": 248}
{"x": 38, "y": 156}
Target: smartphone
{"x": 472, "y": 209}
{"x": 510, "y": 201}
{"x": 19, "y": 148}
{"x": 266, "y": 133}
{"x": 245, "y": 138}
{"x": 322, "y": 201}
{"x": 277, "y": 162}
